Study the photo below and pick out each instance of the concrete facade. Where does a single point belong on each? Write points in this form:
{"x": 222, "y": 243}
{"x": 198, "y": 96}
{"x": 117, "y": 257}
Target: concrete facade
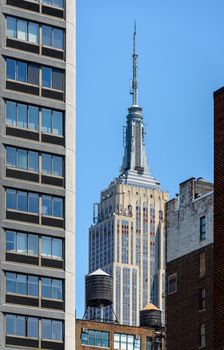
{"x": 189, "y": 267}
{"x": 64, "y": 146}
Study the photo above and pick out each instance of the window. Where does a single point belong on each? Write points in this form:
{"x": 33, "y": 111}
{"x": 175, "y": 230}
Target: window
{"x": 22, "y": 243}
{"x": 52, "y": 122}
{"x": 22, "y": 159}
{"x": 202, "y": 298}
{"x": 22, "y": 30}
{"x": 32, "y": 327}
{"x": 52, "y": 165}
{"x": 21, "y": 326}
{"x": 21, "y": 115}
{"x": 51, "y": 329}
{"x": 27, "y": 116}
{"x": 202, "y": 335}
{"x": 55, "y": 3}
{"x": 126, "y": 342}
{"x": 21, "y": 71}
{"x": 21, "y": 284}
{"x": 202, "y": 228}
{"x": 52, "y": 37}
{"x": 95, "y": 338}
{"x": 202, "y": 266}
{"x": 172, "y": 284}
{"x": 22, "y": 201}
{"x": 52, "y": 206}
{"x": 51, "y": 288}
{"x": 52, "y": 78}
{"x": 51, "y": 247}
{"x": 148, "y": 343}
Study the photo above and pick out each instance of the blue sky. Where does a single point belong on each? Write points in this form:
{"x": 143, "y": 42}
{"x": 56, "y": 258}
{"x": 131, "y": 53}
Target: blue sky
{"x": 181, "y": 62}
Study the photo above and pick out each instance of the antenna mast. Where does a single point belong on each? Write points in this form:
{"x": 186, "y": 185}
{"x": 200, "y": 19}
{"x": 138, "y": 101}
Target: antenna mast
{"x": 134, "y": 82}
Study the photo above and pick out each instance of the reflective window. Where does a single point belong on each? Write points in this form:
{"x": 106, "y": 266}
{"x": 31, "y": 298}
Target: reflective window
{"x": 32, "y": 327}
{"x": 22, "y": 116}
{"x": 52, "y": 165}
{"x": 95, "y": 338}
{"x": 52, "y": 122}
{"x": 51, "y": 329}
{"x": 21, "y": 284}
{"x": 11, "y": 69}
{"x": 52, "y": 37}
{"x": 126, "y": 342}
{"x": 22, "y": 30}
{"x": 51, "y": 288}
{"x": 172, "y": 283}
{"x": 32, "y": 245}
{"x": 22, "y": 201}
{"x": 11, "y": 27}
{"x": 51, "y": 247}
{"x": 21, "y": 326}
{"x": 23, "y": 243}
{"x": 22, "y": 71}
{"x": 52, "y": 206}
{"x": 22, "y": 159}
{"x": 52, "y": 78}
{"x": 202, "y": 228}
{"x": 10, "y": 241}
{"x": 56, "y": 3}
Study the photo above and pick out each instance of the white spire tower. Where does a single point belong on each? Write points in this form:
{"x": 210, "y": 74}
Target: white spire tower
{"x": 135, "y": 168}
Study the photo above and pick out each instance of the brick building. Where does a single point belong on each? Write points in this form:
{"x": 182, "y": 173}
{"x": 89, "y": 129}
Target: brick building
{"x": 91, "y": 334}
{"x": 189, "y": 268}
{"x": 218, "y": 219}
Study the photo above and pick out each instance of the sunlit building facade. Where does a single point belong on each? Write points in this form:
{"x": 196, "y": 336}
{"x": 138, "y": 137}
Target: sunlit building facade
{"x": 37, "y": 174}
{"x": 127, "y": 236}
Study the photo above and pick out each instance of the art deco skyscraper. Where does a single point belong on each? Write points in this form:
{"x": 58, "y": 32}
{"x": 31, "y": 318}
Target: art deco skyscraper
{"x": 37, "y": 174}
{"x": 127, "y": 237}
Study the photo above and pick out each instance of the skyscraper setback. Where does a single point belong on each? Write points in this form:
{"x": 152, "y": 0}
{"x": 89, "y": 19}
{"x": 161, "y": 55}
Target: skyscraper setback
{"x": 37, "y": 174}
{"x": 127, "y": 237}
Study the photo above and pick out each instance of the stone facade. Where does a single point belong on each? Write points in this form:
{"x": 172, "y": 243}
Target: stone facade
{"x": 128, "y": 243}
{"x": 189, "y": 267}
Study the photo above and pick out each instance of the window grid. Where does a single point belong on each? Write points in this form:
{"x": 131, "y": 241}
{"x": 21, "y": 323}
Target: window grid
{"x": 202, "y": 228}
{"x": 172, "y": 283}
{"x": 35, "y": 33}
{"x": 29, "y": 202}
{"x": 34, "y": 118}
{"x": 29, "y": 73}
{"x": 29, "y": 244}
{"x": 28, "y": 327}
{"x": 28, "y": 160}
{"x": 95, "y": 338}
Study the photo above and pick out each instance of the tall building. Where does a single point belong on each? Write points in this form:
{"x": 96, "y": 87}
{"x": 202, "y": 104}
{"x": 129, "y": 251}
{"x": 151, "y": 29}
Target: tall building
{"x": 127, "y": 237}
{"x": 37, "y": 174}
{"x": 189, "y": 267}
{"x": 218, "y": 219}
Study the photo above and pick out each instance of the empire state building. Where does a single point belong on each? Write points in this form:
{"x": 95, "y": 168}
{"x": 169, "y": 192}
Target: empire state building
{"x": 127, "y": 238}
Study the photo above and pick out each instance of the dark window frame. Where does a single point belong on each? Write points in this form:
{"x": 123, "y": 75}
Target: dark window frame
{"x": 172, "y": 283}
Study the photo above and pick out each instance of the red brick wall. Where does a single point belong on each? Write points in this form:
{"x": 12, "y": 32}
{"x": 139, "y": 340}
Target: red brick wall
{"x": 183, "y": 315}
{"x": 219, "y": 219}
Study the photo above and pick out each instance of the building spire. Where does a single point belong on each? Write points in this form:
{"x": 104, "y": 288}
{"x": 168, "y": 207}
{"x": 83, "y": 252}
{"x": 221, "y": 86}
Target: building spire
{"x": 134, "y": 83}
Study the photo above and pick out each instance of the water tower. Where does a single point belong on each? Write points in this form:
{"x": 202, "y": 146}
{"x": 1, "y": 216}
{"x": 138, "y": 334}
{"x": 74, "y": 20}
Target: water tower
{"x": 150, "y": 317}
{"x": 99, "y": 294}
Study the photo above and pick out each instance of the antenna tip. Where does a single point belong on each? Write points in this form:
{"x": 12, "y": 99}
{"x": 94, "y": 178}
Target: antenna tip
{"x": 135, "y": 27}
